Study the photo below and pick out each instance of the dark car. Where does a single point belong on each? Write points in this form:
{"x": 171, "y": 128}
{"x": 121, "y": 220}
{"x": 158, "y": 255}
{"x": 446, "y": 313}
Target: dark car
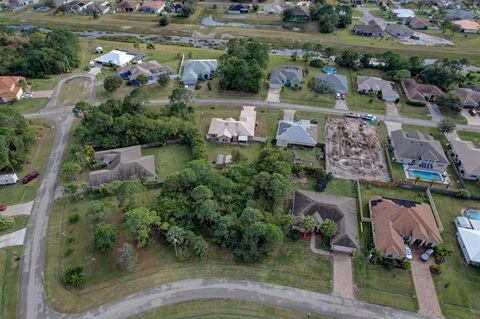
{"x": 472, "y": 112}
{"x": 29, "y": 177}
{"x": 3, "y": 207}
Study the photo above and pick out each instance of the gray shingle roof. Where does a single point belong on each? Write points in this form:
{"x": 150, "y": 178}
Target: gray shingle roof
{"x": 279, "y": 76}
{"x": 302, "y": 132}
{"x": 469, "y": 155}
{"x": 414, "y": 145}
{"x": 338, "y": 82}
{"x": 398, "y": 30}
{"x": 460, "y": 14}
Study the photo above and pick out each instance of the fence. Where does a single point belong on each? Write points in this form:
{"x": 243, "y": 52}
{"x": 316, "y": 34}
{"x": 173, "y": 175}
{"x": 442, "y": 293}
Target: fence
{"x": 434, "y": 209}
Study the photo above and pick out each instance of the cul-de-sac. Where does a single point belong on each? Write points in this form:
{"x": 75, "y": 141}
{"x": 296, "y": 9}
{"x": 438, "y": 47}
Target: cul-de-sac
{"x": 274, "y": 159}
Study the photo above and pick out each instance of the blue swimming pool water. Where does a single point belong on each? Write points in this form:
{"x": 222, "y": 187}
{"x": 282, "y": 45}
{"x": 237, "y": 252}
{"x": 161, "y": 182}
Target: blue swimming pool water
{"x": 329, "y": 69}
{"x": 425, "y": 175}
{"x": 473, "y": 214}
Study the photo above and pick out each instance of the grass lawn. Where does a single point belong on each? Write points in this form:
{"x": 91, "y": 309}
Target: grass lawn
{"x": 169, "y": 159}
{"x": 20, "y": 222}
{"x": 9, "y": 278}
{"x": 470, "y": 136}
{"x": 456, "y": 118}
{"x": 218, "y": 93}
{"x": 45, "y": 84}
{"x": 458, "y": 287}
{"x": 224, "y": 308}
{"x": 73, "y": 91}
{"x": 417, "y": 112}
{"x": 292, "y": 264}
{"x": 25, "y": 106}
{"x": 18, "y": 193}
{"x": 362, "y": 102}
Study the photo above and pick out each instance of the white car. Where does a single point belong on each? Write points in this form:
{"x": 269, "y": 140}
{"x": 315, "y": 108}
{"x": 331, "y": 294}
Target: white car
{"x": 408, "y": 252}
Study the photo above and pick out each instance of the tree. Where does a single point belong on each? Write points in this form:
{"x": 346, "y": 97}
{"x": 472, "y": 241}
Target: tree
{"x": 71, "y": 169}
{"x": 329, "y": 52}
{"x": 74, "y": 276}
{"x": 450, "y": 101}
{"x": 317, "y": 63}
{"x": 393, "y": 61}
{"x": 437, "y": 74}
{"x": 112, "y": 82}
{"x": 150, "y": 46}
{"x": 327, "y": 23}
{"x": 348, "y": 59}
{"x": 141, "y": 80}
{"x": 446, "y": 125}
{"x": 105, "y": 237}
{"x": 127, "y": 256}
{"x": 288, "y": 14}
{"x": 320, "y": 86}
{"x": 127, "y": 193}
{"x": 201, "y": 193}
{"x": 241, "y": 75}
{"x": 397, "y": 75}
{"x": 308, "y": 223}
{"x": 6, "y": 222}
{"x": 365, "y": 59}
{"x": 375, "y": 256}
{"x": 200, "y": 247}
{"x": 163, "y": 79}
{"x": 136, "y": 45}
{"x": 96, "y": 212}
{"x": 328, "y": 228}
{"x": 181, "y": 101}
{"x": 70, "y": 190}
{"x": 138, "y": 223}
{"x": 416, "y": 64}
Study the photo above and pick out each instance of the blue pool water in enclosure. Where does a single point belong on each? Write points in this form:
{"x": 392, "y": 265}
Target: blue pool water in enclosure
{"x": 425, "y": 175}
{"x": 473, "y": 214}
{"x": 330, "y": 69}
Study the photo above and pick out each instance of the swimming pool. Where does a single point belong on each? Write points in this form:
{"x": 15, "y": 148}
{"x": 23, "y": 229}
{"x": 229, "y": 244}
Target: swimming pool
{"x": 424, "y": 175}
{"x": 330, "y": 69}
{"x": 473, "y": 214}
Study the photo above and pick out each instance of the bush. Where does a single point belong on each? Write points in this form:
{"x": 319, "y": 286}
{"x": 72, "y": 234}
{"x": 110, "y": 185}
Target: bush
{"x": 436, "y": 269}
{"x": 198, "y": 86}
{"x": 463, "y": 193}
{"x": 74, "y": 276}
{"x": 6, "y": 222}
{"x": 404, "y": 264}
{"x": 209, "y": 85}
{"x": 69, "y": 252}
{"x": 112, "y": 82}
{"x": 390, "y": 263}
{"x": 164, "y": 21}
{"x": 73, "y": 219}
{"x": 414, "y": 103}
{"x": 317, "y": 63}
{"x": 163, "y": 79}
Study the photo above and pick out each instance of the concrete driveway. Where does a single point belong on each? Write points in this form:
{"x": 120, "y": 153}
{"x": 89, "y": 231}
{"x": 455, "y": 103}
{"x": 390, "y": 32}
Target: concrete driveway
{"x": 341, "y": 105}
{"x": 42, "y": 94}
{"x": 273, "y": 95}
{"x": 434, "y": 112}
{"x": 13, "y": 239}
{"x": 472, "y": 120}
{"x": 393, "y": 126}
{"x": 391, "y": 108}
{"x": 19, "y": 209}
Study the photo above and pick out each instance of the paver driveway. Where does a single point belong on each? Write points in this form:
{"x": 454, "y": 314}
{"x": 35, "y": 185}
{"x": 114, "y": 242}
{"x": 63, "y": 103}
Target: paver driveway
{"x": 426, "y": 294}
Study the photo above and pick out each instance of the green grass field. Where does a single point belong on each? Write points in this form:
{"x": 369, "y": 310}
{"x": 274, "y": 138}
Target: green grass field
{"x": 169, "y": 159}
{"x": 9, "y": 278}
{"x": 293, "y": 264}
{"x": 25, "y": 106}
{"x": 470, "y": 136}
{"x": 225, "y": 308}
{"x": 20, "y": 222}
{"x": 18, "y": 193}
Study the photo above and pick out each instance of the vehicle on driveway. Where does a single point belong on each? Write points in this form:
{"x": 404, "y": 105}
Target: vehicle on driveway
{"x": 426, "y": 255}
{"x": 29, "y": 177}
{"x": 408, "y": 252}
{"x": 472, "y": 112}
{"x": 3, "y": 207}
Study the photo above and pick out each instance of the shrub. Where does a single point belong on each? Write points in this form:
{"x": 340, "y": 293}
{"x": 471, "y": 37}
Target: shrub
{"x": 463, "y": 193}
{"x": 317, "y": 63}
{"x": 69, "y": 252}
{"x": 6, "y": 222}
{"x": 209, "y": 85}
{"x": 404, "y": 264}
{"x": 74, "y": 276}
{"x": 73, "y": 219}
{"x": 164, "y": 21}
{"x": 198, "y": 86}
{"x": 112, "y": 82}
{"x": 414, "y": 103}
{"x": 436, "y": 269}
{"x": 390, "y": 263}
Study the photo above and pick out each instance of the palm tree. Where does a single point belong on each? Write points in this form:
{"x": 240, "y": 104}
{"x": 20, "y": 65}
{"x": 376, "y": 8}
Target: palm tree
{"x": 375, "y": 256}
{"x": 417, "y": 179}
{"x": 136, "y": 45}
{"x": 150, "y": 46}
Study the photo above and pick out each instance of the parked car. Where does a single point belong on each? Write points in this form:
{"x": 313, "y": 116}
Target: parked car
{"x": 369, "y": 117}
{"x": 354, "y": 115}
{"x": 29, "y": 177}
{"x": 408, "y": 252}
{"x": 426, "y": 254}
{"x": 3, "y": 207}
{"x": 27, "y": 95}
{"x": 472, "y": 112}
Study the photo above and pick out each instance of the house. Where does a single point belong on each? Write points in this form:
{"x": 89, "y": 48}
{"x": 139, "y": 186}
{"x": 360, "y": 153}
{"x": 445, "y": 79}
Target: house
{"x": 469, "y": 241}
{"x": 301, "y": 132}
{"x": 77, "y": 5}
{"x": 230, "y": 130}
{"x": 271, "y": 9}
{"x": 371, "y": 29}
{"x": 415, "y": 149}
{"x": 460, "y": 14}
{"x": 11, "y": 88}
{"x": 115, "y": 58}
{"x": 396, "y": 221}
{"x": 470, "y": 98}
{"x": 342, "y": 210}
{"x": 98, "y": 9}
{"x": 122, "y": 164}
{"x": 337, "y": 82}
{"x": 8, "y": 179}
{"x": 467, "y": 26}
{"x": 286, "y": 75}
{"x": 152, "y": 6}
{"x": 299, "y": 14}
{"x": 416, "y": 23}
{"x": 403, "y": 14}
{"x": 420, "y": 93}
{"x": 385, "y": 89}
{"x": 128, "y": 6}
{"x": 399, "y": 30}
{"x": 467, "y": 159}
{"x": 151, "y": 70}
{"x": 195, "y": 70}
{"x": 238, "y": 8}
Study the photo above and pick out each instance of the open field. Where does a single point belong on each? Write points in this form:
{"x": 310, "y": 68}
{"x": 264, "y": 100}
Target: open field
{"x": 169, "y": 159}
{"x": 224, "y": 308}
{"x": 468, "y": 46}
{"x": 18, "y": 193}
{"x": 9, "y": 277}
{"x": 20, "y": 222}
{"x": 30, "y": 105}
{"x": 292, "y": 265}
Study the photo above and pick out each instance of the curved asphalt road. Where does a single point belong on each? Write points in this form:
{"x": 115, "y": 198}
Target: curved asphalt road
{"x": 33, "y": 304}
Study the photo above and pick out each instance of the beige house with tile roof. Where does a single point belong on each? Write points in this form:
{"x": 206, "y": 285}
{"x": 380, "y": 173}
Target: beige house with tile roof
{"x": 230, "y": 130}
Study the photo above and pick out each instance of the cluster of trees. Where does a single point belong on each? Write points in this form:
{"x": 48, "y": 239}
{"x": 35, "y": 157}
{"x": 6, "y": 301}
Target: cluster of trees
{"x": 244, "y": 65}
{"x": 16, "y": 137}
{"x": 125, "y": 122}
{"x": 330, "y": 17}
{"x": 239, "y": 208}
{"x": 41, "y": 55}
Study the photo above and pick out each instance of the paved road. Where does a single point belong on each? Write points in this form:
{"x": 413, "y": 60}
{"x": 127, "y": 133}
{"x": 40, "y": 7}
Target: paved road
{"x": 53, "y": 103}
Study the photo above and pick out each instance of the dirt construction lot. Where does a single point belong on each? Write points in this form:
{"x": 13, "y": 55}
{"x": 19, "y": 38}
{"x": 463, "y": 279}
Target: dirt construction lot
{"x": 354, "y": 150}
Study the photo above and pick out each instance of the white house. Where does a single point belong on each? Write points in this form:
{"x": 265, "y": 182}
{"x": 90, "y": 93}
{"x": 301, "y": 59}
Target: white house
{"x": 115, "y": 58}
{"x": 469, "y": 240}
{"x": 8, "y": 179}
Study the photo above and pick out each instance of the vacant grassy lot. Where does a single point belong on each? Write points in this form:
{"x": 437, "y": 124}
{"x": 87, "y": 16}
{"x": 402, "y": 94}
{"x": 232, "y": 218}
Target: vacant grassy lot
{"x": 458, "y": 287}
{"x": 169, "y": 159}
{"x": 9, "y": 274}
{"x": 224, "y": 308}
{"x": 25, "y": 106}
{"x": 470, "y": 136}
{"x": 293, "y": 264}
{"x": 18, "y": 193}
{"x": 73, "y": 91}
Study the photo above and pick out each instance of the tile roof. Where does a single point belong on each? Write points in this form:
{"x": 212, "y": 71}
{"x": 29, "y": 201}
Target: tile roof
{"x": 9, "y": 86}
{"x": 417, "y": 91}
{"x": 230, "y": 127}
{"x": 467, "y": 25}
{"x": 470, "y": 98}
